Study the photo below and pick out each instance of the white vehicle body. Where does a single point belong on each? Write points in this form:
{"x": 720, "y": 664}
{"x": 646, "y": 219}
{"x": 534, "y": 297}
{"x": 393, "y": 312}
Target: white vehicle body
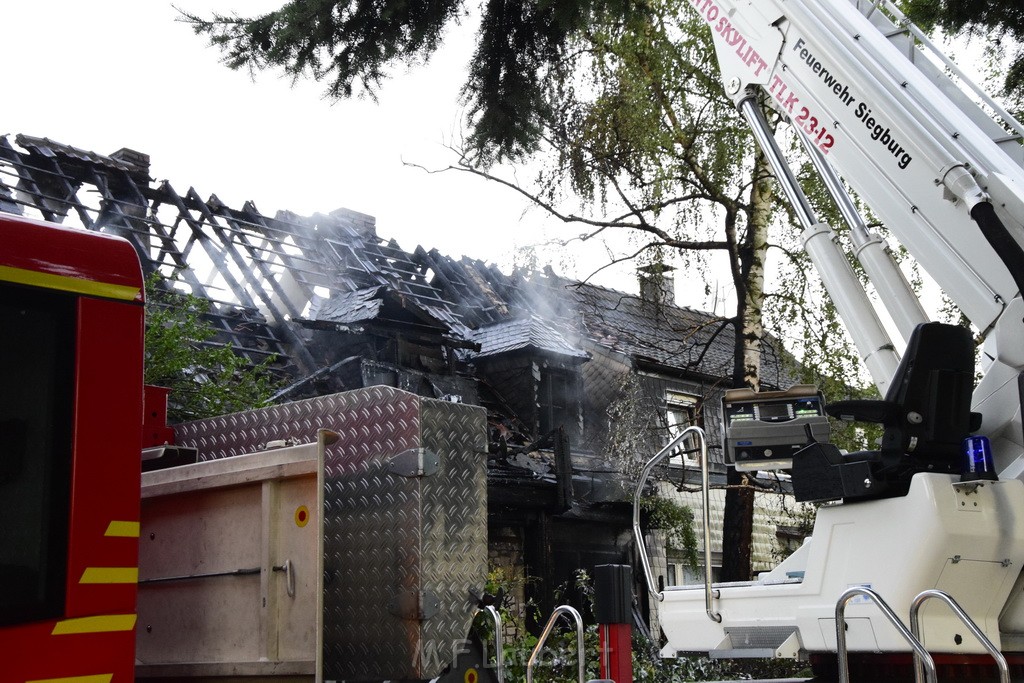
{"x": 922, "y": 154}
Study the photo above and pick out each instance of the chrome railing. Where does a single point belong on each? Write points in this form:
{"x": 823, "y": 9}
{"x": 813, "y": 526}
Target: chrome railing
{"x": 499, "y": 645}
{"x": 915, "y": 628}
{"x": 915, "y": 644}
{"x": 668, "y": 451}
{"x": 559, "y": 611}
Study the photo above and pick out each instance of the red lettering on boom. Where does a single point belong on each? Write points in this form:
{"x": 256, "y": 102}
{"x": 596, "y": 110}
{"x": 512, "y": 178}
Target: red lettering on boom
{"x": 803, "y": 118}
{"x": 732, "y": 37}
{"x": 747, "y": 54}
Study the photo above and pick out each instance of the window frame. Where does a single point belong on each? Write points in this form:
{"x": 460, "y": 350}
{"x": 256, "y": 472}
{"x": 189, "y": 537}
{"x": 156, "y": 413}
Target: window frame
{"x": 677, "y": 402}
{"x": 548, "y": 409}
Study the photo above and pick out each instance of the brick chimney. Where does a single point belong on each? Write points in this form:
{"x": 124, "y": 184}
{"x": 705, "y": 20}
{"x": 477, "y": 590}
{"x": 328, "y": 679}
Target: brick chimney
{"x": 132, "y": 157}
{"x": 657, "y": 284}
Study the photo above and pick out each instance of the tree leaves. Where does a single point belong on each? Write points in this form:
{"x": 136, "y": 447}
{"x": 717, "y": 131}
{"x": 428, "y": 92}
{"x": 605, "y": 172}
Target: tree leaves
{"x": 204, "y": 379}
{"x": 352, "y": 44}
{"x": 1000, "y": 22}
{"x": 348, "y": 45}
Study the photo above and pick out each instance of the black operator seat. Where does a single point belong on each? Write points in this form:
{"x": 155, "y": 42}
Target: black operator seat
{"x": 926, "y": 414}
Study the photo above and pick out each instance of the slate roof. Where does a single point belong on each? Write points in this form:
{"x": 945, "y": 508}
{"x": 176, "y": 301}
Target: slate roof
{"x": 671, "y": 337}
{"x": 666, "y": 335}
{"x": 530, "y": 333}
{"x": 351, "y": 307}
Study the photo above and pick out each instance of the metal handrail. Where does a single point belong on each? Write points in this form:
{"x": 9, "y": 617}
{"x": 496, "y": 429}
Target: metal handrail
{"x": 915, "y": 628}
{"x": 560, "y": 610}
{"x": 667, "y": 452}
{"x": 499, "y": 645}
{"x": 844, "y": 663}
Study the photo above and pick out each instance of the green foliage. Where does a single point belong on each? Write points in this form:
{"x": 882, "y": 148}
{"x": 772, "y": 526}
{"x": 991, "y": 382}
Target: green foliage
{"x": 650, "y": 669}
{"x": 999, "y": 22}
{"x": 343, "y": 43}
{"x": 645, "y": 115}
{"x": 205, "y": 379}
{"x": 677, "y": 522}
{"x": 522, "y": 46}
{"x": 558, "y": 664}
{"x": 352, "y": 44}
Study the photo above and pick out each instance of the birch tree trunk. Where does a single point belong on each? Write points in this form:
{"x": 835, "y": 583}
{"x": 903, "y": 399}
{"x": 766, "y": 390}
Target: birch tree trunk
{"x": 738, "y": 522}
{"x": 759, "y": 217}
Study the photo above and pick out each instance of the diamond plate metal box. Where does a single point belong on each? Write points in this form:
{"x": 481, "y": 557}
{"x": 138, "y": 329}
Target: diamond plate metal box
{"x": 404, "y": 519}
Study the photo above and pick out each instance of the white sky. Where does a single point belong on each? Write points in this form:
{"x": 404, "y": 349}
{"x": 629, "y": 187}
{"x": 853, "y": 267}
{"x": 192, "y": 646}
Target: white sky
{"x": 107, "y": 74}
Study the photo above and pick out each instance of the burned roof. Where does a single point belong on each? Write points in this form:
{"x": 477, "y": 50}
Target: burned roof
{"x": 123, "y": 160}
{"x": 351, "y": 307}
{"x": 273, "y": 276}
{"x": 381, "y": 304}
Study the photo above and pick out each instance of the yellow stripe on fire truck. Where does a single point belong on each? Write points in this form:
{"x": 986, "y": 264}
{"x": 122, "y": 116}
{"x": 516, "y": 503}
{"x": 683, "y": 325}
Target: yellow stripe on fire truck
{"x": 110, "y": 575}
{"x": 98, "y": 678}
{"x": 120, "y": 529}
{"x": 107, "y": 623}
{"x": 68, "y": 284}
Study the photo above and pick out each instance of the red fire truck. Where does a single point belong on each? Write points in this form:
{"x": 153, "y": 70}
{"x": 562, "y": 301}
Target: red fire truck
{"x": 71, "y": 315}
{"x": 342, "y": 537}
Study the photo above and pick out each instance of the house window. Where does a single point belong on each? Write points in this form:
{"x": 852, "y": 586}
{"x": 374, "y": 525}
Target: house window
{"x": 679, "y": 573}
{"x": 680, "y": 413}
{"x": 555, "y": 401}
{"x": 789, "y": 538}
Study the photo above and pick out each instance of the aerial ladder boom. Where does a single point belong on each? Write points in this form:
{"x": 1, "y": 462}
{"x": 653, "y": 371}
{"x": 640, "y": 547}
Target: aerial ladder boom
{"x": 922, "y": 154}
{"x": 940, "y": 164}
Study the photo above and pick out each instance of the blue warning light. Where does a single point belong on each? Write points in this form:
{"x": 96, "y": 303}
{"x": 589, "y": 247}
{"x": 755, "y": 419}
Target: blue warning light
{"x": 976, "y": 460}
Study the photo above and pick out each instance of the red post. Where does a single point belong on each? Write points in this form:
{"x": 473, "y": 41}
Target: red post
{"x": 616, "y": 652}
{"x": 613, "y": 602}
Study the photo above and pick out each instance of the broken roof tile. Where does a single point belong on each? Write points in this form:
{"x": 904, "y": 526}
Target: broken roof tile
{"x": 530, "y": 333}
{"x": 350, "y": 307}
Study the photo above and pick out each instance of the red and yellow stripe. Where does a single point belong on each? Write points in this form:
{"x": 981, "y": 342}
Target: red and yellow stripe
{"x": 105, "y": 623}
{"x": 97, "y": 678}
{"x": 68, "y": 283}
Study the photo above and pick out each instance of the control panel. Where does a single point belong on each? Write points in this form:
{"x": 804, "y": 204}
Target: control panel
{"x": 763, "y": 429}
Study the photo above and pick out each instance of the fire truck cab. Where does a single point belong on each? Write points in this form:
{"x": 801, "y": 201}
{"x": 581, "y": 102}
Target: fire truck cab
{"x": 71, "y": 315}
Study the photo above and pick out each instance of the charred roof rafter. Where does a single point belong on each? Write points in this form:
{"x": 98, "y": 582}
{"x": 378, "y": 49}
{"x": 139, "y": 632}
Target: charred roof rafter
{"x": 291, "y": 267}
{"x": 30, "y": 176}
